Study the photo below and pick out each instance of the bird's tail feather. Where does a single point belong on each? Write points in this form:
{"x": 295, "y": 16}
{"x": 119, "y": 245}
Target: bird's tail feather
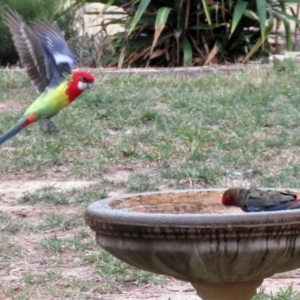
{"x": 13, "y": 131}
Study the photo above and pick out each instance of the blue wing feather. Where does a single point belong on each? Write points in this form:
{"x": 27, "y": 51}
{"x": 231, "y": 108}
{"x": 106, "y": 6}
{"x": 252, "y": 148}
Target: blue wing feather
{"x": 278, "y": 207}
{"x": 42, "y": 50}
{"x": 59, "y": 59}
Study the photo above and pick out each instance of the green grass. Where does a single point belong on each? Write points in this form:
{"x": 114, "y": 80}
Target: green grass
{"x": 284, "y": 294}
{"x": 55, "y": 196}
{"x": 7, "y": 225}
{"x": 59, "y": 221}
{"x": 204, "y": 128}
{"x": 45, "y": 195}
{"x": 133, "y": 134}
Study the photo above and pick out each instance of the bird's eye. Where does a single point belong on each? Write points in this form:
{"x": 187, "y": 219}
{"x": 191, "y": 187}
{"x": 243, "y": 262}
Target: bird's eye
{"x": 84, "y": 79}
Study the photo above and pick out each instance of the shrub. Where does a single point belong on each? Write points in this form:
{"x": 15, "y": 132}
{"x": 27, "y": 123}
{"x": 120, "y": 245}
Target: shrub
{"x": 169, "y": 33}
{"x": 31, "y": 10}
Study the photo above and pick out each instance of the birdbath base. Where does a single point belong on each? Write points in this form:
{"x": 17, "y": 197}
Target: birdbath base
{"x": 227, "y": 291}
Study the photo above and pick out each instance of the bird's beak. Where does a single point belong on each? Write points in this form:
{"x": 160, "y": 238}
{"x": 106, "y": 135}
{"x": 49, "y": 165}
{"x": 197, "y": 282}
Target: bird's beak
{"x": 89, "y": 85}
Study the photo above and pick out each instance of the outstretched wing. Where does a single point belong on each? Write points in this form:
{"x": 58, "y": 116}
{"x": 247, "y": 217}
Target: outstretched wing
{"x": 42, "y": 49}
{"x": 59, "y": 57}
{"x": 29, "y": 49}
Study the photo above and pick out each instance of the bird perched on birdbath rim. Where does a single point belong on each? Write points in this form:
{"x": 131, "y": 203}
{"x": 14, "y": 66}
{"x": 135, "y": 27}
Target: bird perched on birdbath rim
{"x": 257, "y": 200}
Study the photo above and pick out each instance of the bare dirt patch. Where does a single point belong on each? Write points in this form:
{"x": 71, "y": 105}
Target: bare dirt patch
{"x": 14, "y": 189}
{"x": 11, "y": 105}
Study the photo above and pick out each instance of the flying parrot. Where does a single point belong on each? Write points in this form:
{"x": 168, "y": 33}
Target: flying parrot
{"x": 255, "y": 200}
{"x": 48, "y": 62}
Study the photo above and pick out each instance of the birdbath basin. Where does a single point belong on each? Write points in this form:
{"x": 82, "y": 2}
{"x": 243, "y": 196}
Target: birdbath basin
{"x": 223, "y": 252}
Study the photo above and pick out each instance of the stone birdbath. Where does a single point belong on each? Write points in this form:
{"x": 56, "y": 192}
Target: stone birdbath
{"x": 223, "y": 252}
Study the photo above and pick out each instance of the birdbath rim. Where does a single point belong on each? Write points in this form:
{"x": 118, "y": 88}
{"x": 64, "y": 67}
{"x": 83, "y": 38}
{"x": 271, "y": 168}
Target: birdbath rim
{"x": 114, "y": 215}
{"x": 175, "y": 235}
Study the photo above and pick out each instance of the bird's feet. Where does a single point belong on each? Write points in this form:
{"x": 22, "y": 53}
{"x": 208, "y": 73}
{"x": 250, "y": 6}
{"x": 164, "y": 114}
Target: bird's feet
{"x": 48, "y": 126}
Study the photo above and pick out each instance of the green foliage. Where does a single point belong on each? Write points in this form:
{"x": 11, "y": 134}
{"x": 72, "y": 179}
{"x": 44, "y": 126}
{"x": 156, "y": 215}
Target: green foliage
{"x": 32, "y": 10}
{"x": 194, "y": 32}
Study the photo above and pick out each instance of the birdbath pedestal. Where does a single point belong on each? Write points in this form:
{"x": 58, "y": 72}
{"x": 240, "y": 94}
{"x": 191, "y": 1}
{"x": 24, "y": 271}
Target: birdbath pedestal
{"x": 227, "y": 291}
{"x": 224, "y": 253}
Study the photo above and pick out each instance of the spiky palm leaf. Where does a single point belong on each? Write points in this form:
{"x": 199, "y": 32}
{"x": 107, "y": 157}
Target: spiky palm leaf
{"x": 194, "y": 32}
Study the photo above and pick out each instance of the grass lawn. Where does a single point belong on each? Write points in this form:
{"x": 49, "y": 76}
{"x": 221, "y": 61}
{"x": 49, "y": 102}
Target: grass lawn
{"x": 134, "y": 134}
